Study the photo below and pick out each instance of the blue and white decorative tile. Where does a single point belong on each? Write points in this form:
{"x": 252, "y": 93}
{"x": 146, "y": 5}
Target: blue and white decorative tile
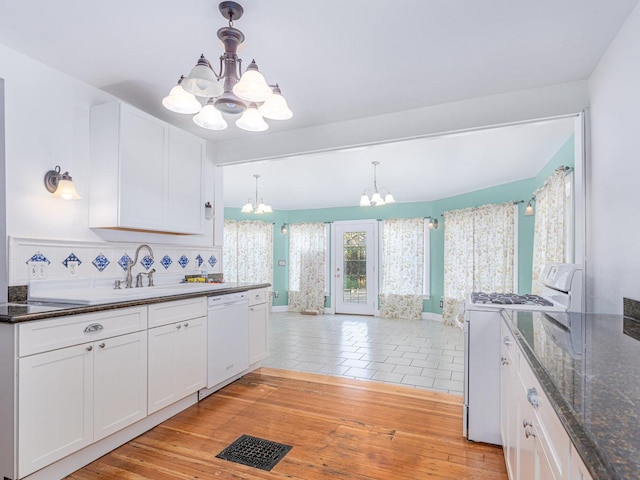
{"x": 146, "y": 262}
{"x": 183, "y": 261}
{"x": 213, "y": 260}
{"x": 101, "y": 262}
{"x": 199, "y": 260}
{"x": 124, "y": 261}
{"x": 166, "y": 261}
{"x": 71, "y": 258}
{"x": 38, "y": 257}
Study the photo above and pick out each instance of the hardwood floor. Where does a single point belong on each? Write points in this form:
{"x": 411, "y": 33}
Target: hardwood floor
{"x": 339, "y": 428}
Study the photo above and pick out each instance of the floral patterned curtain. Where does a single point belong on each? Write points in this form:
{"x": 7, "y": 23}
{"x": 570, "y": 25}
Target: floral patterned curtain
{"x": 401, "y": 289}
{"x": 306, "y": 267}
{"x": 478, "y": 254}
{"x": 549, "y": 230}
{"x": 248, "y": 251}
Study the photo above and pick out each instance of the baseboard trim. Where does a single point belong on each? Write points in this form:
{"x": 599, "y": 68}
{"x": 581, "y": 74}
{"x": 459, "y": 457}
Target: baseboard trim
{"x": 432, "y": 316}
{"x": 280, "y": 308}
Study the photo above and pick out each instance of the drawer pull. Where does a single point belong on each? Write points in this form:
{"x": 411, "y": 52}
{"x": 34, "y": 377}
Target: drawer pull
{"x": 526, "y": 423}
{"x": 532, "y": 397}
{"x": 504, "y": 361}
{"x": 102, "y": 345}
{"x": 94, "y": 327}
{"x": 89, "y": 348}
{"x": 506, "y": 341}
{"x": 529, "y": 433}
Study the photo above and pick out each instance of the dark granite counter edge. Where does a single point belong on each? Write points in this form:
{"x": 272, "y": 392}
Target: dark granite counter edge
{"x": 597, "y": 464}
{"x": 79, "y": 309}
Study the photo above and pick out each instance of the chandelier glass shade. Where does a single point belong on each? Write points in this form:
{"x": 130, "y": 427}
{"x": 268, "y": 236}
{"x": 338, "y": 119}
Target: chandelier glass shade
{"x": 255, "y": 207}
{"x": 380, "y": 196}
{"x": 230, "y": 91}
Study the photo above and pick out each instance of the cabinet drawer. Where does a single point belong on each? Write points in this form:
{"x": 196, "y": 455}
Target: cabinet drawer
{"x": 45, "y": 335}
{"x": 257, "y": 296}
{"x": 171, "y": 312}
{"x": 551, "y": 434}
{"x": 508, "y": 346}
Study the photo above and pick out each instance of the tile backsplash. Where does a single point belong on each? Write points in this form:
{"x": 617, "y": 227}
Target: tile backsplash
{"x": 36, "y": 259}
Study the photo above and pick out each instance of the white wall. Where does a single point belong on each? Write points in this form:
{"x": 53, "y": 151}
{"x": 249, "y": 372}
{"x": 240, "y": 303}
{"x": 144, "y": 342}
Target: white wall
{"x": 3, "y": 204}
{"x": 47, "y": 124}
{"x": 613, "y": 240}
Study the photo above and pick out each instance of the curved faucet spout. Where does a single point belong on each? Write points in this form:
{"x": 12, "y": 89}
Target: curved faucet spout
{"x": 129, "y": 278}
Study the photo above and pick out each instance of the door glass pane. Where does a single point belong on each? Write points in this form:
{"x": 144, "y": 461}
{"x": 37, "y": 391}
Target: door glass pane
{"x": 354, "y": 285}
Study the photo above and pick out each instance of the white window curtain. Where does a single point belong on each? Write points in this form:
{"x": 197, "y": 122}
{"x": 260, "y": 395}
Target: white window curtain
{"x": 306, "y": 267}
{"x": 401, "y": 289}
{"x": 248, "y": 251}
{"x": 549, "y": 236}
{"x": 479, "y": 246}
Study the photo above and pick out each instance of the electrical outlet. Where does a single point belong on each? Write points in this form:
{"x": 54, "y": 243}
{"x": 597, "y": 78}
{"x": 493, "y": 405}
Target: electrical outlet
{"x": 441, "y": 304}
{"x": 37, "y": 270}
{"x": 72, "y": 268}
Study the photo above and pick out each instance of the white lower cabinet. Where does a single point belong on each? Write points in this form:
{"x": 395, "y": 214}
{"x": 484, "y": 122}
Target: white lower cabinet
{"x": 258, "y": 325}
{"x": 177, "y": 361}
{"x": 535, "y": 444}
{"x": 71, "y": 397}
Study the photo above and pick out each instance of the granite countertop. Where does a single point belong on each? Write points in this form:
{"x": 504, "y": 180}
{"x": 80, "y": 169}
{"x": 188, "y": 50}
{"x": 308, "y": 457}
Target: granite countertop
{"x": 589, "y": 367}
{"x": 28, "y": 311}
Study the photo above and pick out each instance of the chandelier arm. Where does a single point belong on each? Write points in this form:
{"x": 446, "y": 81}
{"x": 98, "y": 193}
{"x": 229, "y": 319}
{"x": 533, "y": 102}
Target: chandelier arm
{"x": 219, "y": 75}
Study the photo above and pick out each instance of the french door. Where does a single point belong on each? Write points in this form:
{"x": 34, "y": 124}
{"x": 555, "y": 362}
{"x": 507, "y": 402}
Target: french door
{"x": 355, "y": 267}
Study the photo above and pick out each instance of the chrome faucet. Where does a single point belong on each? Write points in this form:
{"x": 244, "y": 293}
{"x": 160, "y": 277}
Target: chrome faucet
{"x": 129, "y": 278}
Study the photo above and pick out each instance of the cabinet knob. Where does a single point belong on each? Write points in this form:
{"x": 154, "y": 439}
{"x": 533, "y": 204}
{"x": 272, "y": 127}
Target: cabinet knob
{"x": 506, "y": 341}
{"x": 178, "y": 326}
{"x": 102, "y": 345}
{"x": 186, "y": 324}
{"x": 89, "y": 348}
{"x": 532, "y": 397}
{"x": 526, "y": 423}
{"x": 504, "y": 361}
{"x": 529, "y": 433}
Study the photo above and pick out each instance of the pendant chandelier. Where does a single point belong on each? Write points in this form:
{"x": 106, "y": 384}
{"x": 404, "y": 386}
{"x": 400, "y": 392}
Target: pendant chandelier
{"x": 257, "y": 208}
{"x": 230, "y": 91}
{"x": 377, "y": 197}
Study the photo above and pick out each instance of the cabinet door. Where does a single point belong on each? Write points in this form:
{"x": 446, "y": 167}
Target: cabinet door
{"x": 184, "y": 202}
{"x": 526, "y": 444}
{"x": 509, "y": 413}
{"x": 258, "y": 332}
{"x": 163, "y": 366}
{"x": 578, "y": 471}
{"x": 55, "y": 407}
{"x": 143, "y": 163}
{"x": 193, "y": 356}
{"x": 120, "y": 383}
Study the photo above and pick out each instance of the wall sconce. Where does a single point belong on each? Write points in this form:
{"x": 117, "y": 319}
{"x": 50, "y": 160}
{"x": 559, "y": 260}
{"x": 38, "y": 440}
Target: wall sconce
{"x": 283, "y": 229}
{"x": 208, "y": 211}
{"x": 528, "y": 211}
{"x": 433, "y": 223}
{"x": 60, "y": 184}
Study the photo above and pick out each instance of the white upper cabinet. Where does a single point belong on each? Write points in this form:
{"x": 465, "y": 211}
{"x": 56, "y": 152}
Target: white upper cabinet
{"x": 145, "y": 175}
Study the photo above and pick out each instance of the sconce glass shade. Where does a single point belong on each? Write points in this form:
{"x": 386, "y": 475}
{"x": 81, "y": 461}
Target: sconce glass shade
{"x": 364, "y": 201}
{"x": 251, "y": 120}
{"x": 528, "y": 211}
{"x": 210, "y": 117}
{"x": 252, "y": 86}
{"x": 275, "y": 107}
{"x": 433, "y": 223}
{"x": 283, "y": 229}
{"x": 202, "y": 81}
{"x": 389, "y": 198}
{"x": 66, "y": 189}
{"x": 181, "y": 101}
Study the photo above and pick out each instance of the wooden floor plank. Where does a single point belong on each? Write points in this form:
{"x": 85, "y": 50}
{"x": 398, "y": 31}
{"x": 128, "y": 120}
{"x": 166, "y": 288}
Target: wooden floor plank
{"x": 339, "y": 428}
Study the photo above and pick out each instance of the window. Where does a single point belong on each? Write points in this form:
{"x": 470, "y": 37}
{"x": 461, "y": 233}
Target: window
{"x": 248, "y": 251}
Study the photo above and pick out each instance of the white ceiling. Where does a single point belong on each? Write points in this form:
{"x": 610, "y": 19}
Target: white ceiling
{"x": 416, "y": 170}
{"x": 334, "y": 59}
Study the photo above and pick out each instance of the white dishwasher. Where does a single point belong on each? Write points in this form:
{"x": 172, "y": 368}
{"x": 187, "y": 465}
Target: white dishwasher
{"x": 227, "y": 337}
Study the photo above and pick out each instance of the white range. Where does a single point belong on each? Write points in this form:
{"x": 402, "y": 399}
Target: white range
{"x": 562, "y": 292}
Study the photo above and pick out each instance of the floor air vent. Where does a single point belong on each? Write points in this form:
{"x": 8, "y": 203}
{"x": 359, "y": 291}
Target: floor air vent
{"x": 255, "y": 452}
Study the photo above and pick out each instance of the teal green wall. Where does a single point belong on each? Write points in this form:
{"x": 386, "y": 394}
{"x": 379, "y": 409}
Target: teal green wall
{"x": 515, "y": 191}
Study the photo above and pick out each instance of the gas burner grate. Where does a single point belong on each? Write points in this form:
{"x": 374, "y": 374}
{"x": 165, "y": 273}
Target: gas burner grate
{"x": 255, "y": 452}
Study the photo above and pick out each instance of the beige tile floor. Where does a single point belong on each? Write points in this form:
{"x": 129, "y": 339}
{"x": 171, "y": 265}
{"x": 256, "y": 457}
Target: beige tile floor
{"x": 416, "y": 353}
